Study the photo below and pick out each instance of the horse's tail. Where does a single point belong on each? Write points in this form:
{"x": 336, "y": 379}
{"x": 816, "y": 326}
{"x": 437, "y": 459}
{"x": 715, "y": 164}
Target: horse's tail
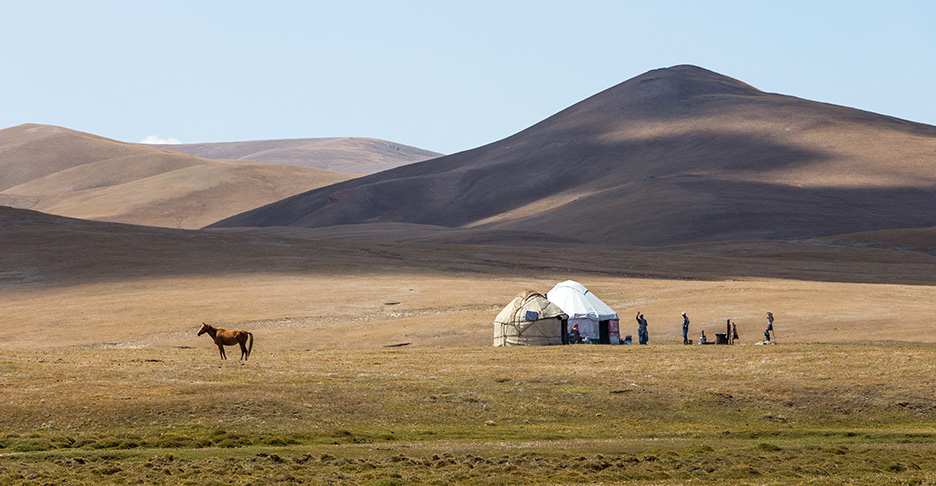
{"x": 250, "y": 344}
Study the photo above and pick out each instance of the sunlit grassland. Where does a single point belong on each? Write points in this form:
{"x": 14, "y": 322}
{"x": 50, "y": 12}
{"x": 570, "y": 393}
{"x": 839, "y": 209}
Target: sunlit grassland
{"x": 762, "y": 414}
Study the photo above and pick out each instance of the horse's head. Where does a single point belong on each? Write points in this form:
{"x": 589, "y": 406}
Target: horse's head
{"x": 204, "y": 329}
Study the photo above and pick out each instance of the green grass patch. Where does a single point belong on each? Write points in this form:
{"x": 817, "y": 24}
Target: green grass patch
{"x": 473, "y": 415}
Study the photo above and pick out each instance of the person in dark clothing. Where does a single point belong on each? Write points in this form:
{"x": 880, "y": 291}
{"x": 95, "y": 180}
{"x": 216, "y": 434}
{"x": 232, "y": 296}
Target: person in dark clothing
{"x": 575, "y": 337}
{"x": 642, "y": 335}
{"x": 769, "y": 329}
{"x": 685, "y": 328}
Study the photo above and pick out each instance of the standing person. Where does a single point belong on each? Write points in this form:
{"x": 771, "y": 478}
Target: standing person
{"x": 642, "y": 336}
{"x": 685, "y": 328}
{"x": 769, "y": 326}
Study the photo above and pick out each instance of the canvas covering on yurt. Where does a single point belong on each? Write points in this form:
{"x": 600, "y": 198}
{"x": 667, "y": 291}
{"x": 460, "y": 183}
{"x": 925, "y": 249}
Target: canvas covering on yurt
{"x": 529, "y": 320}
{"x": 596, "y": 321}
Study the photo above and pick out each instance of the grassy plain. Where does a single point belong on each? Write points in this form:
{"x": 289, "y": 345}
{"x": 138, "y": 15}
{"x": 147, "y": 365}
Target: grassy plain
{"x": 103, "y": 380}
{"x": 666, "y": 414}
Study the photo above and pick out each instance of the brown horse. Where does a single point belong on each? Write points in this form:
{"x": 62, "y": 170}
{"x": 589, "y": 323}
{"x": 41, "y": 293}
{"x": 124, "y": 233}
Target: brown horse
{"x": 223, "y": 337}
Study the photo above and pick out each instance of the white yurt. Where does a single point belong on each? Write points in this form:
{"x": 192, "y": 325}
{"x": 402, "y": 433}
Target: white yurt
{"x": 596, "y": 322}
{"x": 529, "y": 320}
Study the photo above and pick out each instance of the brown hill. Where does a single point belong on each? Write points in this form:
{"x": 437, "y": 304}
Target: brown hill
{"x": 69, "y": 282}
{"x": 348, "y": 155}
{"x": 912, "y": 239}
{"x": 70, "y": 173}
{"x": 676, "y": 155}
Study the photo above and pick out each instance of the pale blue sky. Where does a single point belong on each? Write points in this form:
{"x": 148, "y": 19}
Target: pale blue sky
{"x": 440, "y": 75}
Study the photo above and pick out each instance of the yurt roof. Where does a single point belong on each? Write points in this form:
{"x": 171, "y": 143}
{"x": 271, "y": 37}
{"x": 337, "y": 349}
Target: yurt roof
{"x": 579, "y": 303}
{"x": 528, "y": 301}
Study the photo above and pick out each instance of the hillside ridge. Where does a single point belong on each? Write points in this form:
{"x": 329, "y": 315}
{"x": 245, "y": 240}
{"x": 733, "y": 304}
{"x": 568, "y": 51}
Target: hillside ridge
{"x": 352, "y": 155}
{"x": 70, "y": 173}
{"x": 675, "y": 155}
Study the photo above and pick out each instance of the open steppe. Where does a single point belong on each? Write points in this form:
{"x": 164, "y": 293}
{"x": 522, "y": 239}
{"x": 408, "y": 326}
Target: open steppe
{"x": 663, "y": 414}
{"x": 70, "y": 282}
{"x": 372, "y": 300}
{"x": 106, "y": 382}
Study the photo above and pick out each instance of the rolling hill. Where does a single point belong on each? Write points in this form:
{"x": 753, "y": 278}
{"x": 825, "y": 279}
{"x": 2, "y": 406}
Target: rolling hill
{"x": 346, "y": 154}
{"x": 69, "y": 173}
{"x": 67, "y": 283}
{"x": 676, "y": 155}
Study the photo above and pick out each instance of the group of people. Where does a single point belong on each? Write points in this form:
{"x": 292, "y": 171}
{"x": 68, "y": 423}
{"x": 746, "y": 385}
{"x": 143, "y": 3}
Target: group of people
{"x": 643, "y": 336}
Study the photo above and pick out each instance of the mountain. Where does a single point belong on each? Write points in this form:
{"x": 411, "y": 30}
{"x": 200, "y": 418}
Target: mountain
{"x": 69, "y": 173}
{"x": 348, "y": 155}
{"x": 676, "y": 155}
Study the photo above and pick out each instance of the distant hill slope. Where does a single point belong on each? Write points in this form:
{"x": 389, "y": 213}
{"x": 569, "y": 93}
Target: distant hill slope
{"x": 348, "y": 155}
{"x": 69, "y": 173}
{"x": 921, "y": 240}
{"x": 676, "y": 155}
{"x": 48, "y": 249}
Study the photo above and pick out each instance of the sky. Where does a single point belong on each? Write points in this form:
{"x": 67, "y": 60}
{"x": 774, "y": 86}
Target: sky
{"x": 440, "y": 75}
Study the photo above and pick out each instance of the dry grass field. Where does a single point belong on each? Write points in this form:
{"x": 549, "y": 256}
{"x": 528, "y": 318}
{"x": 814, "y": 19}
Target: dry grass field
{"x": 105, "y": 382}
{"x": 664, "y": 414}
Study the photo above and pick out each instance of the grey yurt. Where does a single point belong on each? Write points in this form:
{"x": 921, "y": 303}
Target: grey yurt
{"x": 530, "y": 320}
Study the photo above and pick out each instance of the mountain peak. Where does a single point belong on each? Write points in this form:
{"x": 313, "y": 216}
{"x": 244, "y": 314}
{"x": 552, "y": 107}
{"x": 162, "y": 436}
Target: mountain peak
{"x": 671, "y": 90}
{"x": 681, "y": 82}
{"x": 675, "y": 155}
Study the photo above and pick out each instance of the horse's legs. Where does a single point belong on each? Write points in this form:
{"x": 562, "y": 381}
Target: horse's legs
{"x": 221, "y": 349}
{"x": 243, "y": 346}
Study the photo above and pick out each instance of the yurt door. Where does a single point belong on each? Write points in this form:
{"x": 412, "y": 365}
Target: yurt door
{"x": 604, "y": 332}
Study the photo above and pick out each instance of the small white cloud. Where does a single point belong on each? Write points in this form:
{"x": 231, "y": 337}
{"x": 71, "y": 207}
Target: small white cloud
{"x": 157, "y": 140}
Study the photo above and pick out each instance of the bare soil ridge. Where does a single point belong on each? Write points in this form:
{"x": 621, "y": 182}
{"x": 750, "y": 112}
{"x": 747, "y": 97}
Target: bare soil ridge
{"x": 70, "y": 173}
{"x": 676, "y": 155}
{"x": 351, "y": 155}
